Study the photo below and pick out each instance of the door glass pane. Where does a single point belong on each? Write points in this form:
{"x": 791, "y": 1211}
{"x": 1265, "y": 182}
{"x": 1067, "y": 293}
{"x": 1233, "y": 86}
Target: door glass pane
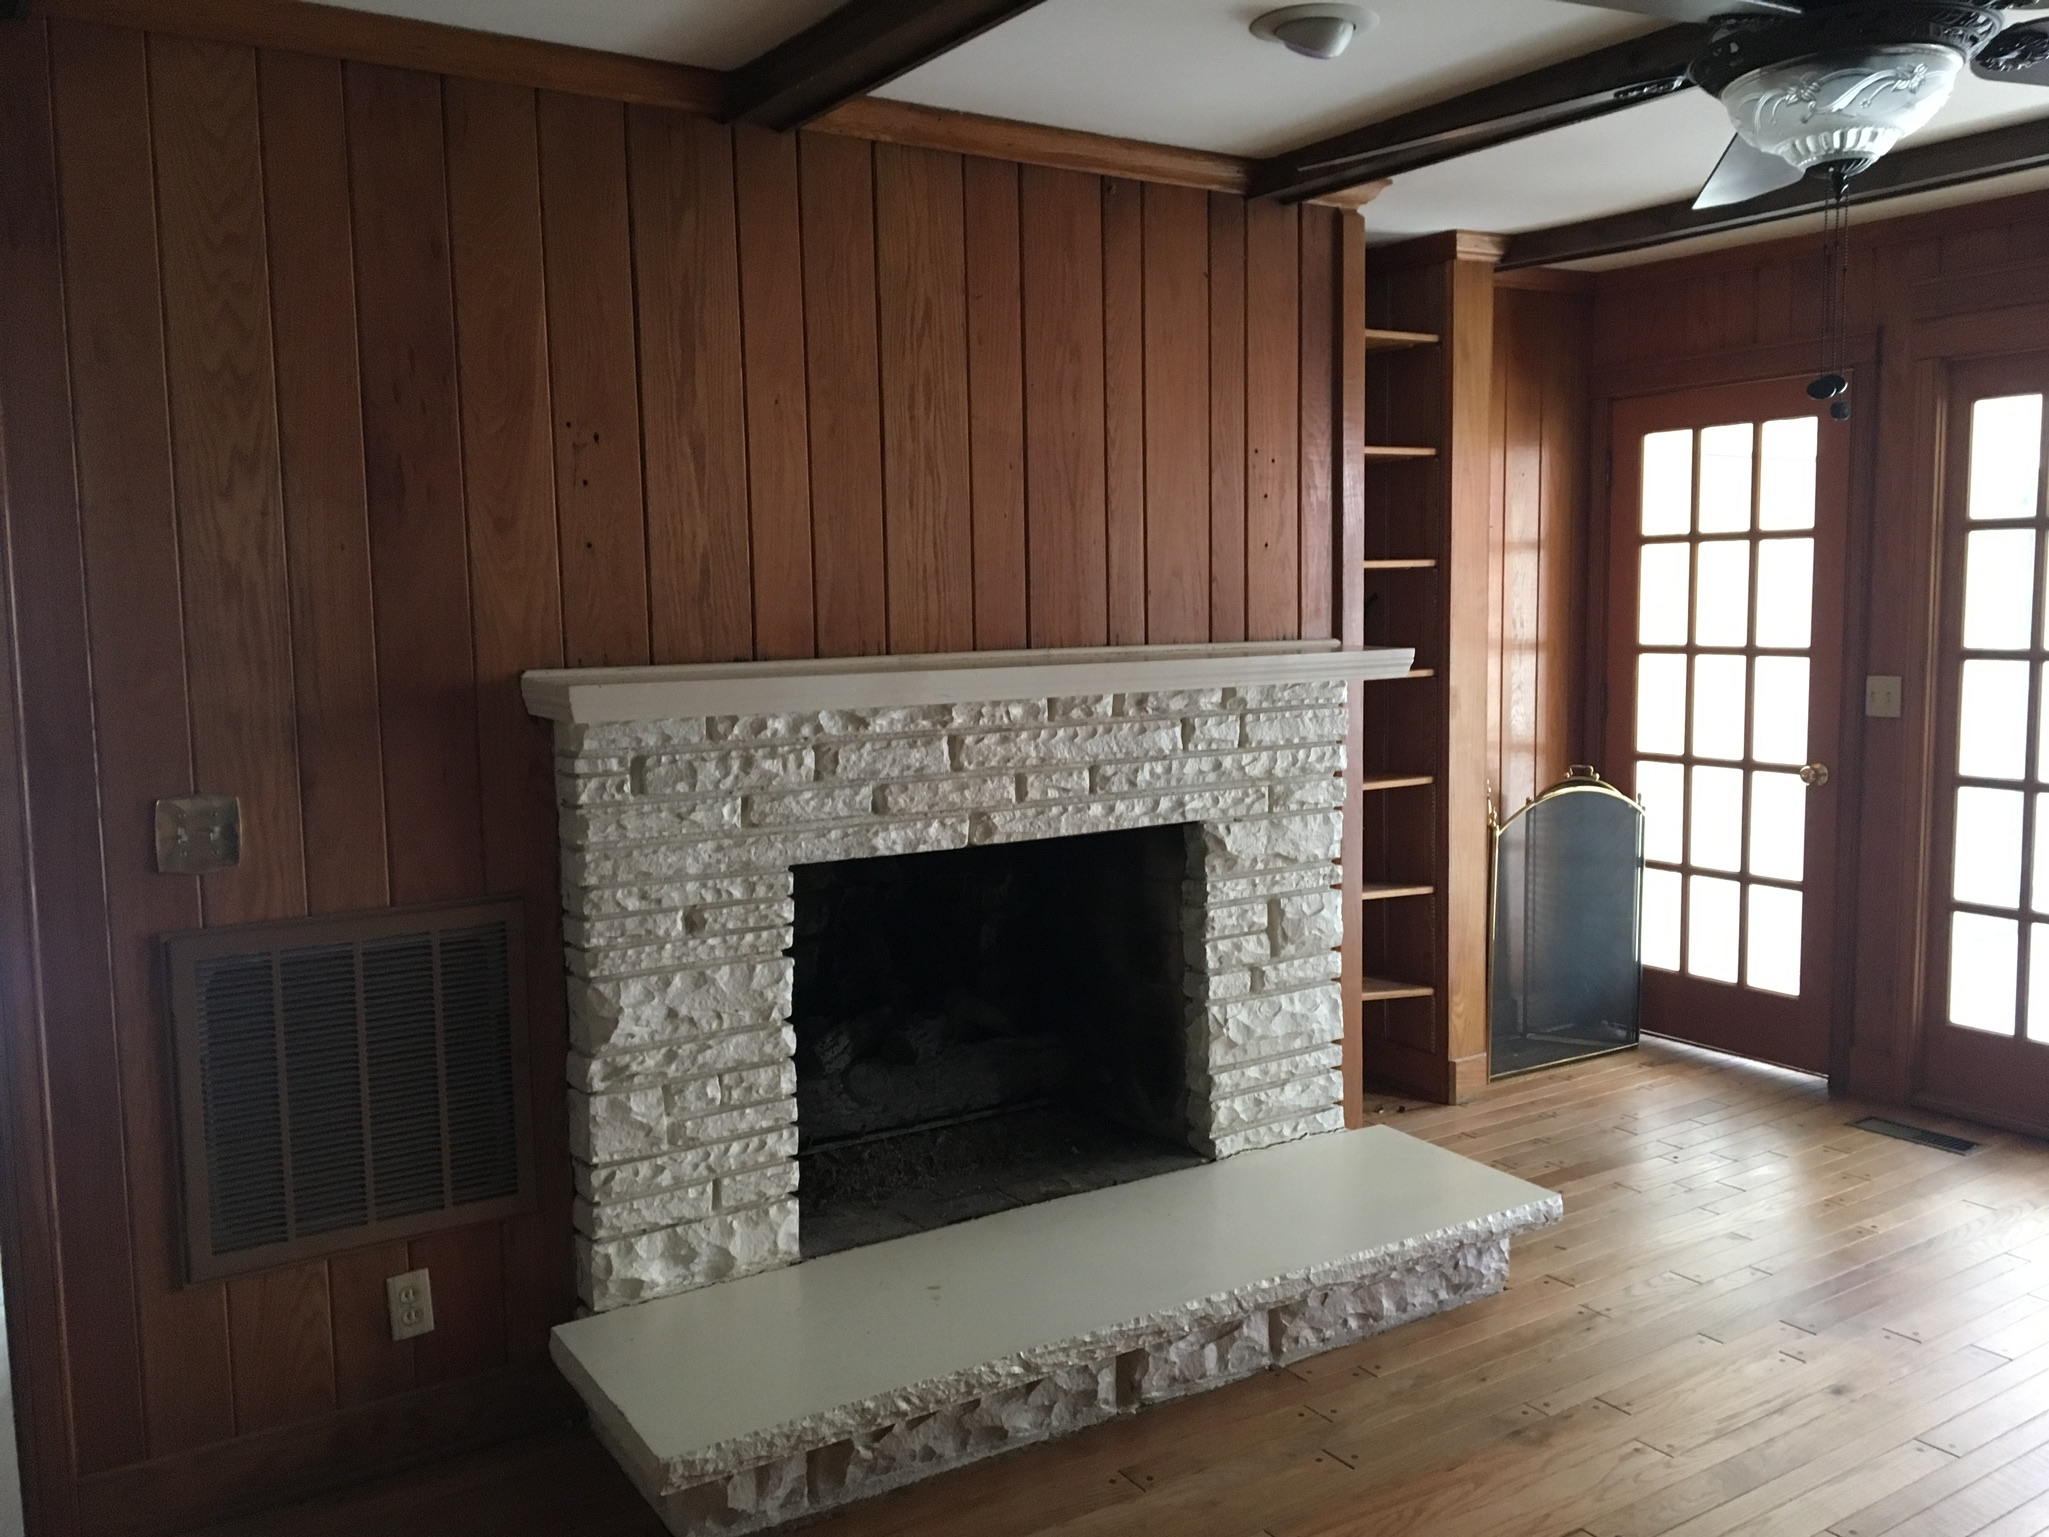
{"x": 1661, "y": 596}
{"x": 1718, "y": 687}
{"x": 1668, "y": 483}
{"x": 1785, "y": 593}
{"x": 1661, "y": 919}
{"x": 1988, "y": 847}
{"x": 1717, "y": 821}
{"x": 2039, "y": 897}
{"x": 1785, "y": 473}
{"x": 1662, "y": 789}
{"x": 1778, "y": 826}
{"x": 1983, "y": 954}
{"x": 1992, "y": 721}
{"x": 1725, "y": 479}
{"x": 1722, "y": 598}
{"x": 1713, "y": 921}
{"x": 1999, "y": 589}
{"x": 1661, "y": 704}
{"x": 2006, "y": 456}
{"x": 1779, "y": 732}
{"x": 1774, "y": 959}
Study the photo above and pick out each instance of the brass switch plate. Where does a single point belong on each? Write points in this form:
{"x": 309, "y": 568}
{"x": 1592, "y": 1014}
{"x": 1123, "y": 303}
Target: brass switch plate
{"x": 198, "y": 834}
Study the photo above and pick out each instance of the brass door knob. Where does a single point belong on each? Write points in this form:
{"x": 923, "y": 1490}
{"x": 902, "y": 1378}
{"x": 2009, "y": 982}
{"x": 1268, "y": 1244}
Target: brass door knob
{"x": 1814, "y": 775}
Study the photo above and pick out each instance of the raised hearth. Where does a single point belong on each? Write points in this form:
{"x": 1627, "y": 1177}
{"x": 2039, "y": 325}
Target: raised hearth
{"x": 740, "y": 1406}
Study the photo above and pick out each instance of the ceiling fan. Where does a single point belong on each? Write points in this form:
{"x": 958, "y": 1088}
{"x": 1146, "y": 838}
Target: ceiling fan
{"x": 1825, "y": 87}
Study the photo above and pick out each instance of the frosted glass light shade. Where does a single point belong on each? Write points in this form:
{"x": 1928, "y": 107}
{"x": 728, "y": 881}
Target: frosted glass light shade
{"x": 1842, "y": 106}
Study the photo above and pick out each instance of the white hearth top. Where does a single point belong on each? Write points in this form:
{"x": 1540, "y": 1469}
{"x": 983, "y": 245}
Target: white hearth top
{"x": 755, "y": 1362}
{"x": 609, "y": 695}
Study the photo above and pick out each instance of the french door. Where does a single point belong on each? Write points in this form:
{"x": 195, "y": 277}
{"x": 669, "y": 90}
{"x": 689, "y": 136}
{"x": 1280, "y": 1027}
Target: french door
{"x": 1985, "y": 1048}
{"x": 1724, "y": 677}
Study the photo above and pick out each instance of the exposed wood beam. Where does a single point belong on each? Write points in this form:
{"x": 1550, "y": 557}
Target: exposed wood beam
{"x": 1919, "y": 168}
{"x": 395, "y": 40}
{"x": 857, "y": 48}
{"x": 1573, "y": 91}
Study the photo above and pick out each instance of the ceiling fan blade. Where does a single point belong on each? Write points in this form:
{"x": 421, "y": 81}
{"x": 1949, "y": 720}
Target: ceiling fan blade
{"x": 1701, "y": 10}
{"x": 2017, "y": 56}
{"x": 1744, "y": 173}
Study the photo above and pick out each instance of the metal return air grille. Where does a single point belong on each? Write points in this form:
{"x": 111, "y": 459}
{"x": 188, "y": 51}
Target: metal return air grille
{"x": 343, "y": 1081}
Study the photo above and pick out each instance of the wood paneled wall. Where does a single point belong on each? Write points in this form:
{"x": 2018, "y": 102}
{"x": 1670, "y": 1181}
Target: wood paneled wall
{"x": 334, "y": 397}
{"x": 1924, "y": 290}
{"x": 1538, "y": 486}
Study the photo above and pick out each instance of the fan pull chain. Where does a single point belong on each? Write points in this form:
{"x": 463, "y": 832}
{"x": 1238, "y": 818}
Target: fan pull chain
{"x": 1834, "y": 385}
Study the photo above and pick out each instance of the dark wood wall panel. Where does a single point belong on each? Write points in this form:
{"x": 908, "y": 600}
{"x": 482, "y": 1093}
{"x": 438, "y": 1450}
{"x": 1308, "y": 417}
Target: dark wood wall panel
{"x": 126, "y": 1388}
{"x": 1061, "y": 238}
{"x": 921, "y": 265}
{"x": 1273, "y": 383}
{"x": 687, "y": 276}
{"x": 333, "y": 398}
{"x": 996, "y": 403}
{"x": 1227, "y": 417}
{"x": 600, "y": 516}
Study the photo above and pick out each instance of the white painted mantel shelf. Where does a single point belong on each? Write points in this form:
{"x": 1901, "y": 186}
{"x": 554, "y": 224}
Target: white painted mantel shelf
{"x": 611, "y": 695}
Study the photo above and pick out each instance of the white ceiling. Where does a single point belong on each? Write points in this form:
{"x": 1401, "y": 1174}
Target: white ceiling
{"x": 1188, "y": 72}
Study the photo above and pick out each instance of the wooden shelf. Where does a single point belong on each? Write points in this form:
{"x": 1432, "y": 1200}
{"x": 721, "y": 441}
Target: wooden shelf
{"x": 1398, "y": 451}
{"x": 1396, "y": 782}
{"x": 1372, "y": 893}
{"x": 1404, "y": 564}
{"x": 1379, "y": 340}
{"x": 1413, "y": 672}
{"x": 1381, "y": 990}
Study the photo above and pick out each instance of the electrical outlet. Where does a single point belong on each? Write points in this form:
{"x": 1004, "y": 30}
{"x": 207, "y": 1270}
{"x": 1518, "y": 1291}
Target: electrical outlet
{"x": 1882, "y": 697}
{"x": 411, "y": 1300}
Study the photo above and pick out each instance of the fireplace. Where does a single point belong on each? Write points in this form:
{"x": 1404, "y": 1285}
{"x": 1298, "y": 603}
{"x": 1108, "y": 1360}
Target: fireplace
{"x": 984, "y": 1028}
{"x": 1165, "y": 821}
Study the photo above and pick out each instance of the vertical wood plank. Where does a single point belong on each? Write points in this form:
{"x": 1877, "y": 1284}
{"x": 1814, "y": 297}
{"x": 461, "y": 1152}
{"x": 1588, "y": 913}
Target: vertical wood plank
{"x": 1061, "y": 218}
{"x": 368, "y": 1362}
{"x": 772, "y": 338}
{"x": 921, "y": 264}
{"x": 217, "y": 341}
{"x": 1177, "y": 415}
{"x": 593, "y": 381}
{"x": 1349, "y": 593}
{"x": 687, "y": 278}
{"x": 1124, "y": 408}
{"x": 467, "y": 1267}
{"x": 284, "y": 1352}
{"x": 494, "y": 181}
{"x": 1520, "y": 410}
{"x": 218, "y": 348}
{"x": 1316, "y": 468}
{"x": 326, "y": 513}
{"x": 1562, "y": 535}
{"x": 412, "y": 447}
{"x": 1273, "y": 594}
{"x": 843, "y": 366}
{"x": 92, "y": 1027}
{"x": 1227, "y": 416}
{"x": 996, "y": 404}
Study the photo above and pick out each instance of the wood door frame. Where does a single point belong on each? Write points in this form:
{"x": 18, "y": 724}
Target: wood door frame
{"x": 1982, "y": 377}
{"x": 1734, "y": 370}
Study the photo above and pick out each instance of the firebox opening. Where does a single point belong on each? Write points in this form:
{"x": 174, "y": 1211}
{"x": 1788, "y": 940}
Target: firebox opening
{"x": 986, "y": 1028}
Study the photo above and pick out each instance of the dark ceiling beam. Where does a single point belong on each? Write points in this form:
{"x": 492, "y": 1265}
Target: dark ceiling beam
{"x": 1918, "y": 168}
{"x": 861, "y": 46}
{"x": 1573, "y": 91}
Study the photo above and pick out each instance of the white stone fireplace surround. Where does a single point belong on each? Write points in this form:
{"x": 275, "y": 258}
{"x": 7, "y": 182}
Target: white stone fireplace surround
{"x": 688, "y": 793}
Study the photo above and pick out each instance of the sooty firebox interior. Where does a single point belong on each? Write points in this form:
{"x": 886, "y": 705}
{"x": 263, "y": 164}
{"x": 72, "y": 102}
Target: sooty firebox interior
{"x": 985, "y": 1028}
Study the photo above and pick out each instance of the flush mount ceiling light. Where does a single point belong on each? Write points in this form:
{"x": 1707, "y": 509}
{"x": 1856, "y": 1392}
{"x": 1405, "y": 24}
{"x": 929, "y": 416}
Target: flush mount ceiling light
{"x": 1314, "y": 31}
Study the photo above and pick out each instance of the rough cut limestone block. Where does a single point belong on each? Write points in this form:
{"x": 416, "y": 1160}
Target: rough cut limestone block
{"x": 686, "y": 1059}
{"x": 1273, "y": 1102}
{"x": 722, "y": 773}
{"x": 1274, "y": 1133}
{"x": 629, "y": 1013}
{"x": 686, "y": 1165}
{"x": 618, "y": 1219}
{"x": 887, "y": 1364}
{"x": 615, "y": 1272}
{"x": 1271, "y": 1024}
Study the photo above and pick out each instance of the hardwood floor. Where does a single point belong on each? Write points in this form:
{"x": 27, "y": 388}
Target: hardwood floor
{"x": 1753, "y": 1320}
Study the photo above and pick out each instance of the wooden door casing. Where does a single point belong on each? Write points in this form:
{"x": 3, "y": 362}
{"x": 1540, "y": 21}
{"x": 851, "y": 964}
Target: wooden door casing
{"x": 1793, "y": 1031}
